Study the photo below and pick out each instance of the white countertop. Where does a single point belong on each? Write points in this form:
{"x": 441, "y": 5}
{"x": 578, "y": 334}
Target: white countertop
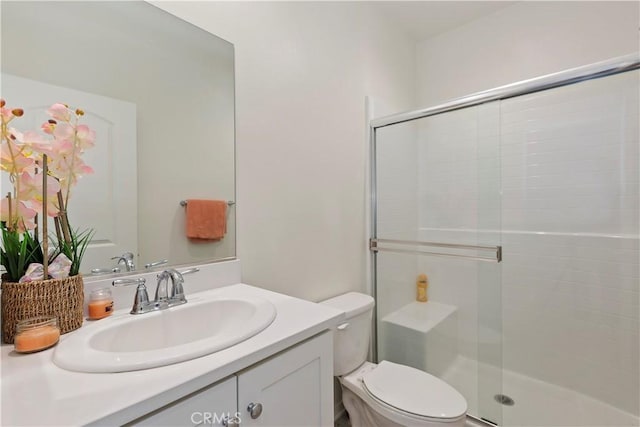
{"x": 36, "y": 392}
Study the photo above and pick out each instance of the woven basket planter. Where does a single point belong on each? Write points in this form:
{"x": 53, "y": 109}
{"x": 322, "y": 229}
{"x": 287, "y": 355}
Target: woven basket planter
{"x": 62, "y": 298}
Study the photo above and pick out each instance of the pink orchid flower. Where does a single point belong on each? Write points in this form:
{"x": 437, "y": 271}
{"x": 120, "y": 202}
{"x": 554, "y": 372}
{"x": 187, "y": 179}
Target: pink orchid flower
{"x": 6, "y": 115}
{"x": 21, "y": 154}
{"x": 59, "y": 112}
{"x": 85, "y": 136}
{"x": 48, "y": 127}
{"x": 68, "y": 169}
{"x": 64, "y": 132}
{"x": 22, "y": 216}
{"x": 14, "y": 158}
{"x": 70, "y": 141}
{"x": 34, "y": 141}
{"x": 61, "y": 148}
{"x": 31, "y": 192}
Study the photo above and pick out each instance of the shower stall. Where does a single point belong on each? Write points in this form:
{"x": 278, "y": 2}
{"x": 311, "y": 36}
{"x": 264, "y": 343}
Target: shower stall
{"x": 521, "y": 205}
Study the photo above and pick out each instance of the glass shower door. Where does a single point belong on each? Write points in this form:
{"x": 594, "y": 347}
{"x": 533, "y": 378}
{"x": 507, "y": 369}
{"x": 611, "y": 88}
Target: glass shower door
{"x": 438, "y": 212}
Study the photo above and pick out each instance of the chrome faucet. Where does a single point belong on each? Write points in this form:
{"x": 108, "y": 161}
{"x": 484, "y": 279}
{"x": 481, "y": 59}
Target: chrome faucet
{"x": 126, "y": 258}
{"x": 164, "y": 297}
{"x": 176, "y": 296}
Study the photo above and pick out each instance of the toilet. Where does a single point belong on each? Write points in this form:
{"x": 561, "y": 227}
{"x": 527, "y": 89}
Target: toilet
{"x": 387, "y": 394}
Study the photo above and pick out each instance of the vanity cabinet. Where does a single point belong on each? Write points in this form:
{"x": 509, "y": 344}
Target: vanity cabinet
{"x": 291, "y": 388}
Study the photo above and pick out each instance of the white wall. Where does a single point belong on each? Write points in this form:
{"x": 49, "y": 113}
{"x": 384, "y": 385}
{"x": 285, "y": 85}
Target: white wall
{"x": 526, "y": 40}
{"x": 302, "y": 73}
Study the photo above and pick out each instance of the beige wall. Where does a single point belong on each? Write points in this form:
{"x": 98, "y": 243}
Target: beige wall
{"x": 303, "y": 70}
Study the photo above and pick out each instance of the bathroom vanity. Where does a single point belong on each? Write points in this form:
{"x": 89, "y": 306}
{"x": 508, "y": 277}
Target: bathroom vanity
{"x": 286, "y": 389}
{"x": 283, "y": 375}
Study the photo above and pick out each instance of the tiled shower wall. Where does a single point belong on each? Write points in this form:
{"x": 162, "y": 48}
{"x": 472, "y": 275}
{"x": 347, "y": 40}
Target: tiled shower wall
{"x": 570, "y": 236}
{"x": 566, "y": 164}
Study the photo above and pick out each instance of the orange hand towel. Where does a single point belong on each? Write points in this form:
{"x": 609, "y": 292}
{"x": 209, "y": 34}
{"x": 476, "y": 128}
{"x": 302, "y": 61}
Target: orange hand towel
{"x": 206, "y": 219}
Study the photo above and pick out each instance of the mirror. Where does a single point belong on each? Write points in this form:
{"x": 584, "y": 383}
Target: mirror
{"x": 159, "y": 92}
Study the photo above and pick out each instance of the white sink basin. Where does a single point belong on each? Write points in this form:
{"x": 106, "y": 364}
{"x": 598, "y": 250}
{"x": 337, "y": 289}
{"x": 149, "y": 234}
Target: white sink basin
{"x": 128, "y": 342}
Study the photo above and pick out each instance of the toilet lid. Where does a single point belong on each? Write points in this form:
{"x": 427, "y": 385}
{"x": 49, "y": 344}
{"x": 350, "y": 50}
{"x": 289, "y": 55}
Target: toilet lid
{"x": 414, "y": 391}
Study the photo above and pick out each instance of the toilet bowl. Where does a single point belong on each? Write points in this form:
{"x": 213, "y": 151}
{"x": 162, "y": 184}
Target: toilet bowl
{"x": 391, "y": 401}
{"x": 386, "y": 394}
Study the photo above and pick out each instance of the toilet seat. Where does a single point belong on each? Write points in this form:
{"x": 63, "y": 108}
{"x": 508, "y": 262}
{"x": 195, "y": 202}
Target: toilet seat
{"x": 414, "y": 392}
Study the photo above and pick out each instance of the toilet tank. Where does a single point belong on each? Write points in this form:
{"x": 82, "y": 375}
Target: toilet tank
{"x": 351, "y": 337}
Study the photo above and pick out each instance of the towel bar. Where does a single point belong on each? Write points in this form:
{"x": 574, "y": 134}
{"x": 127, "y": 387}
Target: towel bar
{"x": 378, "y": 245}
{"x": 184, "y": 203}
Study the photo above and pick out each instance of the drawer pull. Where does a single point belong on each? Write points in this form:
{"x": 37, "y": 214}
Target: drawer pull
{"x": 255, "y": 409}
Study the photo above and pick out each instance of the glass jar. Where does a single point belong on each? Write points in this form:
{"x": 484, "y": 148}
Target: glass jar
{"x": 100, "y": 303}
{"x": 36, "y": 334}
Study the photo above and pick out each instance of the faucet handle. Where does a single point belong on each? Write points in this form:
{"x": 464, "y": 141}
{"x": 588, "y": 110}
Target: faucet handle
{"x": 96, "y": 271}
{"x": 156, "y": 263}
{"x": 129, "y": 282}
{"x": 141, "y": 299}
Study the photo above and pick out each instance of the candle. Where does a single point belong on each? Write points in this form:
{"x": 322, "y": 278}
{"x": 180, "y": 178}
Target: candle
{"x": 100, "y": 309}
{"x": 100, "y": 303}
{"x": 36, "y": 334}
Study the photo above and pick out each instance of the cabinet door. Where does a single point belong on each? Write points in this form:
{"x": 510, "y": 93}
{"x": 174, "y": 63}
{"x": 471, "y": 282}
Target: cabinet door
{"x": 294, "y": 388}
{"x": 207, "y": 407}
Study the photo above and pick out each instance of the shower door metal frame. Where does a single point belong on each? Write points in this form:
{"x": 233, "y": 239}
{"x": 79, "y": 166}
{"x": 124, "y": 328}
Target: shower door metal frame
{"x": 563, "y": 78}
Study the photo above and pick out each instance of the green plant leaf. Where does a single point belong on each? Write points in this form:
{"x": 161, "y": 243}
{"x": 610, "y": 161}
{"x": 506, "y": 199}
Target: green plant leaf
{"x": 19, "y": 249}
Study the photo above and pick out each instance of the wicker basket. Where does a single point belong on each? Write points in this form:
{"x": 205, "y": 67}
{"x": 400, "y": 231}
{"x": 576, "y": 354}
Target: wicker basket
{"x": 62, "y": 298}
